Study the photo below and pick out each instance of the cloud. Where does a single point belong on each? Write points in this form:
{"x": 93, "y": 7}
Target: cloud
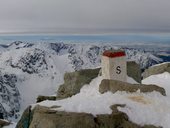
{"x": 84, "y": 15}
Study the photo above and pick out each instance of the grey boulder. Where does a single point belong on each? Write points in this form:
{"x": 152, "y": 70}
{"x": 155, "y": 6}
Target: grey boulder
{"x": 114, "y": 86}
{"x": 157, "y": 69}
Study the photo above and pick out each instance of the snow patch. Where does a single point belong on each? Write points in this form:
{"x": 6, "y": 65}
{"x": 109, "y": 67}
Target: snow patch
{"x": 162, "y": 80}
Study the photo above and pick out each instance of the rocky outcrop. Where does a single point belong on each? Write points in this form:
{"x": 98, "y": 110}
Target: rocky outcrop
{"x": 157, "y": 69}
{"x": 114, "y": 86}
{"x": 26, "y": 118}
{"x": 114, "y": 120}
{"x": 4, "y": 123}
{"x": 74, "y": 81}
{"x": 134, "y": 71}
{"x": 42, "y": 98}
{"x": 44, "y": 117}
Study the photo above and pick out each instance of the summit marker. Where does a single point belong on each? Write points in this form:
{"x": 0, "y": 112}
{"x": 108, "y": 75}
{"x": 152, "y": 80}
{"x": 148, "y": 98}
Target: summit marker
{"x": 114, "y": 65}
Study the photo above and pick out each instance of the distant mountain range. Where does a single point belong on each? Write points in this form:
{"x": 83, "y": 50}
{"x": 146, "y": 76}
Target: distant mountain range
{"x": 30, "y": 69}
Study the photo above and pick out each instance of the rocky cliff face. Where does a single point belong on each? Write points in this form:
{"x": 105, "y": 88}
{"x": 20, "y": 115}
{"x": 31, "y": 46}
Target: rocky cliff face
{"x": 31, "y": 62}
{"x": 9, "y": 95}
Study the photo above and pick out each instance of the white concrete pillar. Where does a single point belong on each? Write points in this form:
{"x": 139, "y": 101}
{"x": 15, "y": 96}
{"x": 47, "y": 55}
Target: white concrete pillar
{"x": 114, "y": 65}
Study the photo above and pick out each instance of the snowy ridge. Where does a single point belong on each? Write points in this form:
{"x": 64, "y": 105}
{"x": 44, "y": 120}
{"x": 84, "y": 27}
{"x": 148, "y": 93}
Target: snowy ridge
{"x": 31, "y": 61}
{"x": 145, "y": 59}
{"x": 87, "y": 55}
{"x": 84, "y": 56}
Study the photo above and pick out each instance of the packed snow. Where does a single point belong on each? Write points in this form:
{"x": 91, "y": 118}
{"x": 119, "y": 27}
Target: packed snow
{"x": 142, "y": 108}
{"x": 163, "y": 80}
{"x": 85, "y": 100}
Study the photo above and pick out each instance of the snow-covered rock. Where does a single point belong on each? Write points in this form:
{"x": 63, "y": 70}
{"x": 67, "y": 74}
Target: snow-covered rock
{"x": 141, "y": 108}
{"x": 74, "y": 81}
{"x": 45, "y": 117}
{"x": 157, "y": 69}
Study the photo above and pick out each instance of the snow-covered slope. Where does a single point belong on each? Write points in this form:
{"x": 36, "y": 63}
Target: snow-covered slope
{"x": 30, "y": 72}
{"x": 39, "y": 68}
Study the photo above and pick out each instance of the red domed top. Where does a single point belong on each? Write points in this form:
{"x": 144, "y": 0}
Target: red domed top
{"x": 114, "y": 54}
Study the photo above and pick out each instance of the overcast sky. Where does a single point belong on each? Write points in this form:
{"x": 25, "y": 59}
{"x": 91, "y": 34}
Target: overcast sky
{"x": 84, "y": 16}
